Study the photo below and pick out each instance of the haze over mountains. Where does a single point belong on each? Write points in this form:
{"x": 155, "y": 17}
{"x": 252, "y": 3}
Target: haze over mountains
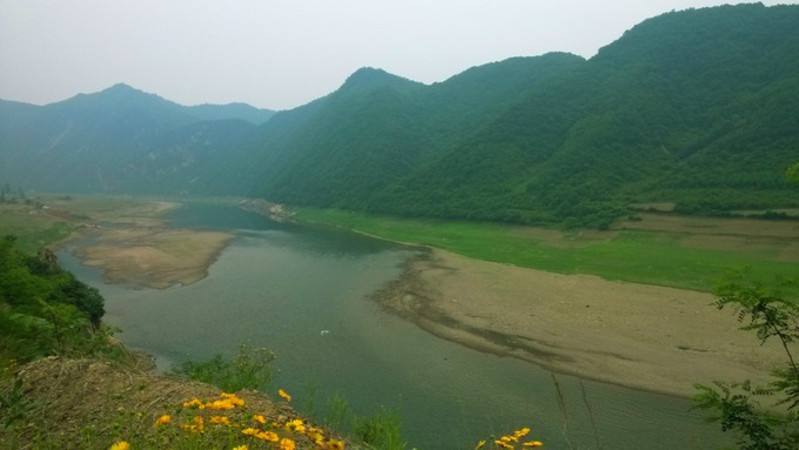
{"x": 699, "y": 107}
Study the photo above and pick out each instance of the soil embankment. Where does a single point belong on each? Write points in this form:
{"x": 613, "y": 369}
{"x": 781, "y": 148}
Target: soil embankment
{"x": 646, "y": 337}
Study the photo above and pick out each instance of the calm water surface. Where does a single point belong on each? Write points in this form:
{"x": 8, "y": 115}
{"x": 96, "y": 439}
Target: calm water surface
{"x": 280, "y": 286}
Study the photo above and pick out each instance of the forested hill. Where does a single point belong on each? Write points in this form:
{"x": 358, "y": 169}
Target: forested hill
{"x": 123, "y": 140}
{"x": 698, "y": 108}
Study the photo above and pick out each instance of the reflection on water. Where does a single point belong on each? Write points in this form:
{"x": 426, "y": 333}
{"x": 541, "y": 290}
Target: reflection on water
{"x": 280, "y": 286}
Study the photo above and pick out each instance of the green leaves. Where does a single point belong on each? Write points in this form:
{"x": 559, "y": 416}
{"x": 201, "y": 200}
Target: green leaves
{"x": 737, "y": 405}
{"x": 45, "y": 310}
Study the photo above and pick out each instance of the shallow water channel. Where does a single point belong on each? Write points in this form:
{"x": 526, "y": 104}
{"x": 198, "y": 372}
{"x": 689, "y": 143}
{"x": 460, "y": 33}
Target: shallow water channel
{"x": 280, "y": 286}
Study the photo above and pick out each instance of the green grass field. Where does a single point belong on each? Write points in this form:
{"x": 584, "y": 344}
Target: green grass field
{"x": 32, "y": 229}
{"x": 640, "y": 256}
{"x": 48, "y": 219}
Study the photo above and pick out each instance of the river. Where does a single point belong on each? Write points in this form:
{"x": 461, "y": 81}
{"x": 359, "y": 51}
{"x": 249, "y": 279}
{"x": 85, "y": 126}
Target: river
{"x": 303, "y": 293}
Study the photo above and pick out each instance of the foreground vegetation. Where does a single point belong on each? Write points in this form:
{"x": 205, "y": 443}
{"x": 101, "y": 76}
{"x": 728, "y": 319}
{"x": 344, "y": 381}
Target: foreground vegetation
{"x": 641, "y": 256}
{"x": 747, "y": 410}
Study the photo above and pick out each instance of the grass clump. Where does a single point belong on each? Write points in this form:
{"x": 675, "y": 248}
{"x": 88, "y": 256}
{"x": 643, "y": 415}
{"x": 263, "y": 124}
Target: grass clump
{"x": 380, "y": 430}
{"x": 250, "y": 368}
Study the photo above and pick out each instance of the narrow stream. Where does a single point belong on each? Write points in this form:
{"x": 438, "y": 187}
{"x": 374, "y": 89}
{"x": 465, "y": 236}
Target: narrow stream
{"x": 303, "y": 293}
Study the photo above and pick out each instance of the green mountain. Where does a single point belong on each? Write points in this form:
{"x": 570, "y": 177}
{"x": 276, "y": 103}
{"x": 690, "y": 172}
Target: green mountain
{"x": 123, "y": 140}
{"x": 378, "y": 129}
{"x": 696, "y": 107}
{"x": 699, "y": 108}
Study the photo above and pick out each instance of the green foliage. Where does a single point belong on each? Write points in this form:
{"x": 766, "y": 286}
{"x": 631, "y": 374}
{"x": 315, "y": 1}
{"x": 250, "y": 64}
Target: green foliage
{"x": 764, "y": 310}
{"x": 250, "y": 368}
{"x": 380, "y": 430}
{"x": 337, "y": 410}
{"x": 45, "y": 310}
{"x": 15, "y": 407}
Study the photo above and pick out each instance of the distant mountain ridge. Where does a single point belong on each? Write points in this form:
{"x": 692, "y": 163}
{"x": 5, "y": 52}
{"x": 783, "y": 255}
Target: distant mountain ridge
{"x": 123, "y": 140}
{"x": 697, "y": 107}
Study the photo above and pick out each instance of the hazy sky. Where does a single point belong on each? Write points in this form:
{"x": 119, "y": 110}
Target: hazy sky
{"x": 280, "y": 54}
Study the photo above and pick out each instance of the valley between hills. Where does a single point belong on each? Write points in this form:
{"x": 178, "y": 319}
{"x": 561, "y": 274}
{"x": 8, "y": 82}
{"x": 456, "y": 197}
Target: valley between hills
{"x": 578, "y": 214}
{"x": 656, "y": 338}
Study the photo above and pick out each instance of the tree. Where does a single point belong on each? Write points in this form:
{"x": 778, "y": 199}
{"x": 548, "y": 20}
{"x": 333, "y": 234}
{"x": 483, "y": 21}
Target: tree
{"x": 766, "y": 311}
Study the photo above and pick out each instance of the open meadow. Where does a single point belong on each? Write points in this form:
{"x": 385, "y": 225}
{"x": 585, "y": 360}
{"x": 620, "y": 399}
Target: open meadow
{"x": 663, "y": 250}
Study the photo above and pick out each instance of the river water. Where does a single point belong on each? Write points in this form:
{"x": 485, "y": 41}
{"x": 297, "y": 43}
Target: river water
{"x": 303, "y": 293}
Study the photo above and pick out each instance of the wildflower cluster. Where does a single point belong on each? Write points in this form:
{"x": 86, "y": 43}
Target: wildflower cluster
{"x": 510, "y": 441}
{"x": 226, "y": 419}
{"x": 268, "y": 431}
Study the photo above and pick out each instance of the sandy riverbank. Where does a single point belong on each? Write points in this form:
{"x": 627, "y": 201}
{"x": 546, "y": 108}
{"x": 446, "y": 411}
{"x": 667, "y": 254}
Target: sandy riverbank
{"x": 140, "y": 249}
{"x": 646, "y": 337}
{"x": 154, "y": 257}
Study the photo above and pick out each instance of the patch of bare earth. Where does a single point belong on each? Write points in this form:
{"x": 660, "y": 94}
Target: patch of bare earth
{"x": 714, "y": 226}
{"x": 154, "y": 257}
{"x": 646, "y": 337}
{"x": 777, "y": 238}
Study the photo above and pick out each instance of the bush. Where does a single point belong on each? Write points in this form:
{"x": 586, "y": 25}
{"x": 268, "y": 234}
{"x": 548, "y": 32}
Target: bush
{"x": 738, "y": 405}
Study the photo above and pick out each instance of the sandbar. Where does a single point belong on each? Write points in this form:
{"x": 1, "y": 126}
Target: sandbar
{"x": 156, "y": 258}
{"x": 646, "y": 337}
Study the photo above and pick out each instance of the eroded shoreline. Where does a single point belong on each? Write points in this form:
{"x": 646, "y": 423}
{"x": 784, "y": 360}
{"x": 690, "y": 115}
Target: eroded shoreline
{"x": 645, "y": 337}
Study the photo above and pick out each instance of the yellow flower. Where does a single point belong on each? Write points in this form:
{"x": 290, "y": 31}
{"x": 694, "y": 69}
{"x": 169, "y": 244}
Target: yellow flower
{"x": 250, "y": 431}
{"x": 220, "y": 405}
{"x": 163, "y": 420}
{"x": 269, "y": 436}
{"x": 522, "y": 432}
{"x": 533, "y": 444}
{"x": 121, "y": 445}
{"x": 480, "y": 444}
{"x": 503, "y": 444}
{"x": 287, "y": 444}
{"x": 259, "y": 418}
{"x": 296, "y": 425}
{"x": 241, "y": 447}
{"x": 284, "y": 394}
{"x": 236, "y": 401}
{"x": 196, "y": 425}
{"x": 222, "y": 420}
{"x": 316, "y": 437}
{"x": 335, "y": 445}
{"x": 194, "y": 403}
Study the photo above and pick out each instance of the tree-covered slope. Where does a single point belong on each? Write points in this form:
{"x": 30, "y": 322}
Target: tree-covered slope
{"x": 378, "y": 128}
{"x": 121, "y": 140}
{"x": 696, "y": 107}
